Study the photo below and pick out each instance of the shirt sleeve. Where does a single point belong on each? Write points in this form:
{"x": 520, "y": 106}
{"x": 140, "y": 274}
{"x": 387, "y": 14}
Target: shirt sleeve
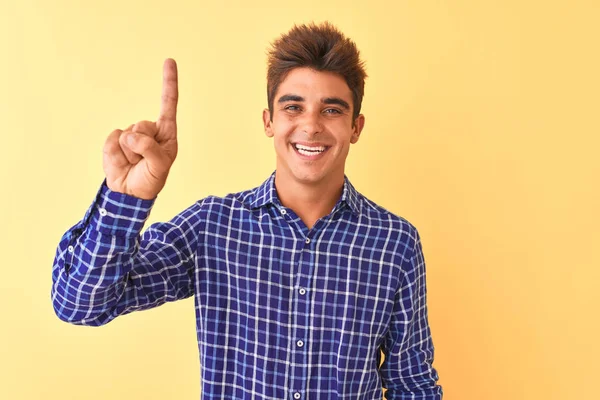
{"x": 407, "y": 371}
{"x": 104, "y": 267}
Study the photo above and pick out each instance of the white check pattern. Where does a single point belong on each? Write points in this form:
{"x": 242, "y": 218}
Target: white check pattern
{"x": 283, "y": 312}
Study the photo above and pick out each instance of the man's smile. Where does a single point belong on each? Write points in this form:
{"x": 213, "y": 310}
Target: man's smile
{"x": 310, "y": 151}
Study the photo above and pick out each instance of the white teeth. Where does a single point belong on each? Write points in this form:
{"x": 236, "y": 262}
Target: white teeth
{"x": 308, "y": 153}
{"x": 310, "y": 150}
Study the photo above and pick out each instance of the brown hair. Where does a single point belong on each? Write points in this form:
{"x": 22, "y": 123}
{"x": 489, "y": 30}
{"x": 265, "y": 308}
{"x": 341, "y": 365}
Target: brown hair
{"x": 320, "y": 47}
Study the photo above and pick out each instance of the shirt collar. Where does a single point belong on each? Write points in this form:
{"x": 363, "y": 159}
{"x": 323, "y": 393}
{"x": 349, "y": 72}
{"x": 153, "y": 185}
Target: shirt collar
{"x": 267, "y": 194}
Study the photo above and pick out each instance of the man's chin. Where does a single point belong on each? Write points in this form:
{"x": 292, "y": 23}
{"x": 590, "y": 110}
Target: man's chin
{"x": 306, "y": 179}
{"x": 309, "y": 178}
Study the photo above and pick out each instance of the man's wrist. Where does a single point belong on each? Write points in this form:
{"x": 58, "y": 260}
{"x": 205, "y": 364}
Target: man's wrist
{"x": 119, "y": 214}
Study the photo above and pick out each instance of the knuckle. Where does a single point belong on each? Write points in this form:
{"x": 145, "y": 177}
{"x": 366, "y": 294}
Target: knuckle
{"x": 142, "y": 124}
{"x": 111, "y": 146}
{"x": 114, "y": 136}
{"x": 146, "y": 127}
{"x": 121, "y": 139}
{"x": 169, "y": 98}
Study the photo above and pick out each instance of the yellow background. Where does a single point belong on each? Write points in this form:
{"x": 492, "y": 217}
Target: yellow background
{"x": 482, "y": 130}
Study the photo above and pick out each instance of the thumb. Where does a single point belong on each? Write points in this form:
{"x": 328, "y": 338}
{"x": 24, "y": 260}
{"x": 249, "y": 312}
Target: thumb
{"x": 145, "y": 146}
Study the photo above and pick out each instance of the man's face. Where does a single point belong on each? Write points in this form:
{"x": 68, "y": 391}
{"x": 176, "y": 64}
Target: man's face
{"x": 312, "y": 126}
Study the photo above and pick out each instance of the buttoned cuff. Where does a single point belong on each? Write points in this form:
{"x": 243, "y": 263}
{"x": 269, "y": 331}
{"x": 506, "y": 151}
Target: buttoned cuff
{"x": 119, "y": 214}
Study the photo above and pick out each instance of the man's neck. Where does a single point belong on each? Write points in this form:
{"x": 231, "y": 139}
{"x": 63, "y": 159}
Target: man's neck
{"x": 309, "y": 202}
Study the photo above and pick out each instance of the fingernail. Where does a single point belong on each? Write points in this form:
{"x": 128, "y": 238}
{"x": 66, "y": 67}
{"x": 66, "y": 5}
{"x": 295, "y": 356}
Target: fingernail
{"x": 131, "y": 138}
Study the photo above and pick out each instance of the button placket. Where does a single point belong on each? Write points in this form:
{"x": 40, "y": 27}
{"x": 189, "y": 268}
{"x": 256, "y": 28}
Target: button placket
{"x": 302, "y": 318}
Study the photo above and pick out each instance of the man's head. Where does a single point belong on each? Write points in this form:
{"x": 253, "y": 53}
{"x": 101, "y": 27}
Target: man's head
{"x": 315, "y": 89}
{"x": 319, "y": 47}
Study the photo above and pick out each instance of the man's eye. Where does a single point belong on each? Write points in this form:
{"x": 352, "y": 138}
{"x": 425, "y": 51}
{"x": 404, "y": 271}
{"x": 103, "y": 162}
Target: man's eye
{"x": 333, "y": 111}
{"x": 292, "y": 108}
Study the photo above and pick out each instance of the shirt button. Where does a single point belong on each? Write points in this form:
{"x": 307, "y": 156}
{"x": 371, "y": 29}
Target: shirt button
{"x": 70, "y": 248}
{"x": 102, "y": 212}
{"x": 307, "y": 241}
{"x": 302, "y": 291}
{"x": 299, "y": 343}
{"x": 297, "y": 395}
{"x": 283, "y": 211}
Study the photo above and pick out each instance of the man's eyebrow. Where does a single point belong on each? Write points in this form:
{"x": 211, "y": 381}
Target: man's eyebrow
{"x": 327, "y": 100}
{"x": 290, "y": 97}
{"x": 336, "y": 100}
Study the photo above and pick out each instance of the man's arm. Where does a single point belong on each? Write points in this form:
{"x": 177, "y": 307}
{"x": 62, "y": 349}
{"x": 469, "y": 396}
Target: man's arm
{"x": 407, "y": 371}
{"x": 105, "y": 268}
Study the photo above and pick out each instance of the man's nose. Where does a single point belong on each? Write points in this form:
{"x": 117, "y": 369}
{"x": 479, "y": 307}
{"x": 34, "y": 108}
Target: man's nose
{"x": 312, "y": 123}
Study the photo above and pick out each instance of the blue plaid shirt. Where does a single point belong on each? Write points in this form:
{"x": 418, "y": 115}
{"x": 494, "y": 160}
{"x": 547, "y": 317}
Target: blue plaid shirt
{"x": 283, "y": 312}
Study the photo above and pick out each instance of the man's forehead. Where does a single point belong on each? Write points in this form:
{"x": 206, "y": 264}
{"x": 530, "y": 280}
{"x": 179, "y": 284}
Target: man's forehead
{"x": 311, "y": 84}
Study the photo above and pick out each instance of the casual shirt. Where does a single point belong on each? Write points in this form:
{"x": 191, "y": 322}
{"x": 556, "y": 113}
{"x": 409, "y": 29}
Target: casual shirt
{"x": 282, "y": 311}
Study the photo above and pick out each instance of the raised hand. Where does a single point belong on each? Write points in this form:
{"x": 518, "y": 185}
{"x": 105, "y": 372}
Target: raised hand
{"x": 137, "y": 160}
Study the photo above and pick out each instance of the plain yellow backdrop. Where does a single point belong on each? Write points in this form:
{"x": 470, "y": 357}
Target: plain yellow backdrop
{"x": 482, "y": 129}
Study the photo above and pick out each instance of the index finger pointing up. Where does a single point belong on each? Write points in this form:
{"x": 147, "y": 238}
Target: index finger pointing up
{"x": 170, "y": 93}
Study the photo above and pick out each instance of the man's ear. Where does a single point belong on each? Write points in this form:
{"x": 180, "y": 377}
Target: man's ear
{"x": 359, "y": 124}
{"x": 267, "y": 122}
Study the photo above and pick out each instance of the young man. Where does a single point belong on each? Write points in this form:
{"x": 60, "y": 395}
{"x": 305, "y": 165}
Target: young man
{"x": 300, "y": 283}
